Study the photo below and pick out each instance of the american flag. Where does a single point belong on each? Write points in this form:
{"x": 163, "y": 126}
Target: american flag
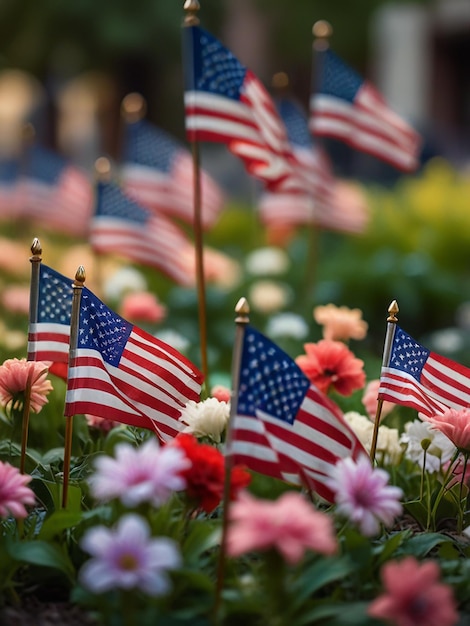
{"x": 124, "y": 227}
{"x": 120, "y": 372}
{"x": 55, "y": 193}
{"x": 421, "y": 379}
{"x": 284, "y": 427}
{"x": 158, "y": 172}
{"x": 225, "y": 102}
{"x": 346, "y": 107}
{"x": 319, "y": 203}
{"x": 49, "y": 332}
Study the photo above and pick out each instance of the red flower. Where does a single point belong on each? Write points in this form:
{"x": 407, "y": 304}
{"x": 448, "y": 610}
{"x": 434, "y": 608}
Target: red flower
{"x": 331, "y": 364}
{"x": 206, "y": 476}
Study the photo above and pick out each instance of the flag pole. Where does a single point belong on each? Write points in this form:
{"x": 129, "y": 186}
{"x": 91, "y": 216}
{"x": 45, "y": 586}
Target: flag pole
{"x": 242, "y": 310}
{"x": 74, "y": 324}
{"x": 391, "y": 326}
{"x": 321, "y": 31}
{"x": 35, "y": 260}
{"x": 192, "y": 7}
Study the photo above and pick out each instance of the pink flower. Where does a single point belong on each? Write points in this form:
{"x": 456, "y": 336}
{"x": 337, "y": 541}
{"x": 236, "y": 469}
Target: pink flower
{"x": 331, "y": 364}
{"x": 127, "y": 557}
{"x": 13, "y": 491}
{"x": 14, "y": 377}
{"x": 15, "y": 298}
{"x": 149, "y": 473}
{"x": 221, "y": 393}
{"x": 363, "y": 496}
{"x": 142, "y": 307}
{"x": 454, "y": 424}
{"x": 340, "y": 323}
{"x": 289, "y": 524}
{"x": 369, "y": 400}
{"x": 414, "y": 596}
{"x": 100, "y": 423}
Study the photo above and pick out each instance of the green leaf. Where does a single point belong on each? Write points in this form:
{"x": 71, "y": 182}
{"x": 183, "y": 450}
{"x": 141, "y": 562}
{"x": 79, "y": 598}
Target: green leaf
{"x": 57, "y": 522}
{"x": 321, "y": 573}
{"x": 418, "y": 511}
{"x": 391, "y": 545}
{"x": 43, "y": 554}
{"x": 420, "y": 545}
{"x": 201, "y": 538}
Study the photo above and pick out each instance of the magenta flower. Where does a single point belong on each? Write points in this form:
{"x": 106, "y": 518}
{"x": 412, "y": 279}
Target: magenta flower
{"x": 289, "y": 524}
{"x": 149, "y": 473}
{"x": 14, "y": 493}
{"x": 128, "y": 557}
{"x": 414, "y": 596}
{"x": 363, "y": 496}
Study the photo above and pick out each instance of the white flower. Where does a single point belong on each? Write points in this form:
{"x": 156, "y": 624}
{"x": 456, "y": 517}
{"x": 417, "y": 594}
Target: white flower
{"x": 267, "y": 296}
{"x": 124, "y": 280}
{"x": 439, "y": 451}
{"x": 287, "y": 325}
{"x": 448, "y": 340}
{"x": 388, "y": 443}
{"x": 208, "y": 418}
{"x": 268, "y": 261}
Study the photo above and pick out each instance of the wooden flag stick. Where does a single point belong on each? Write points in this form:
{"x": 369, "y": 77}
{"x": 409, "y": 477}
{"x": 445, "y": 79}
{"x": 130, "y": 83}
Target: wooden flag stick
{"x": 391, "y": 326}
{"x": 191, "y": 7}
{"x": 74, "y": 325}
{"x": 242, "y": 310}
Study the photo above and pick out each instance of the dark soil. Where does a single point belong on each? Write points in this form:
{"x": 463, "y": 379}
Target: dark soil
{"x": 37, "y": 613}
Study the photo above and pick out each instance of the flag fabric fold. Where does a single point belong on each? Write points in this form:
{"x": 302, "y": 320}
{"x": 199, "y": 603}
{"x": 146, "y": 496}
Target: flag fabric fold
{"x": 421, "y": 379}
{"x": 284, "y": 426}
{"x": 157, "y": 171}
{"x": 225, "y": 102}
{"x": 124, "y": 227}
{"x": 120, "y": 372}
{"x": 343, "y": 106}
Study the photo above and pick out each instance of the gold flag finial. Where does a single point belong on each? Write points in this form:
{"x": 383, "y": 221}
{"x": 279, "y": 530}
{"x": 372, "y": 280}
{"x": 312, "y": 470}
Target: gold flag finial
{"x": 393, "y": 310}
{"x": 191, "y": 7}
{"x": 36, "y": 248}
{"x": 242, "y": 309}
{"x": 80, "y": 276}
{"x": 322, "y": 31}
{"x": 133, "y": 107}
{"x": 103, "y": 169}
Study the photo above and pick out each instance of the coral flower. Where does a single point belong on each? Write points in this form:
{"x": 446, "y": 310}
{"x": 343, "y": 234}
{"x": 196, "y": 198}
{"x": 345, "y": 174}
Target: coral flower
{"x": 14, "y": 377}
{"x": 414, "y": 596}
{"x": 221, "y": 393}
{"x": 363, "y": 496}
{"x": 289, "y": 524}
{"x": 206, "y": 476}
{"x": 454, "y": 424}
{"x": 127, "y": 557}
{"x": 14, "y": 493}
{"x": 331, "y": 364}
{"x": 15, "y": 299}
{"x": 369, "y": 400}
{"x": 100, "y": 423}
{"x": 340, "y": 323}
{"x": 142, "y": 307}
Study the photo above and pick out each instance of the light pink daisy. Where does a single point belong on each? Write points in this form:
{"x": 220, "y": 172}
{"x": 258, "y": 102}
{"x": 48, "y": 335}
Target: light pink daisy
{"x": 289, "y": 524}
{"x": 14, "y": 377}
{"x": 340, "y": 323}
{"x": 363, "y": 496}
{"x": 127, "y": 557}
{"x": 142, "y": 307}
{"x": 149, "y": 473}
{"x": 14, "y": 494}
{"x": 454, "y": 424}
{"x": 414, "y": 596}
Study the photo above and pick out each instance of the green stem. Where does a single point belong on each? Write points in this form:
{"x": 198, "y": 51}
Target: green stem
{"x": 443, "y": 486}
{"x": 462, "y": 480}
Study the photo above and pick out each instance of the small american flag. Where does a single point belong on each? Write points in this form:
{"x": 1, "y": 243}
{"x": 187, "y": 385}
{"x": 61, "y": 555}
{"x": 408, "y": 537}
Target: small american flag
{"x": 158, "y": 172}
{"x": 346, "y": 107}
{"x": 225, "y": 102}
{"x": 423, "y": 380}
{"x": 124, "y": 227}
{"x": 284, "y": 427}
{"x": 49, "y": 333}
{"x": 318, "y": 203}
{"x": 55, "y": 193}
{"x": 120, "y": 372}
